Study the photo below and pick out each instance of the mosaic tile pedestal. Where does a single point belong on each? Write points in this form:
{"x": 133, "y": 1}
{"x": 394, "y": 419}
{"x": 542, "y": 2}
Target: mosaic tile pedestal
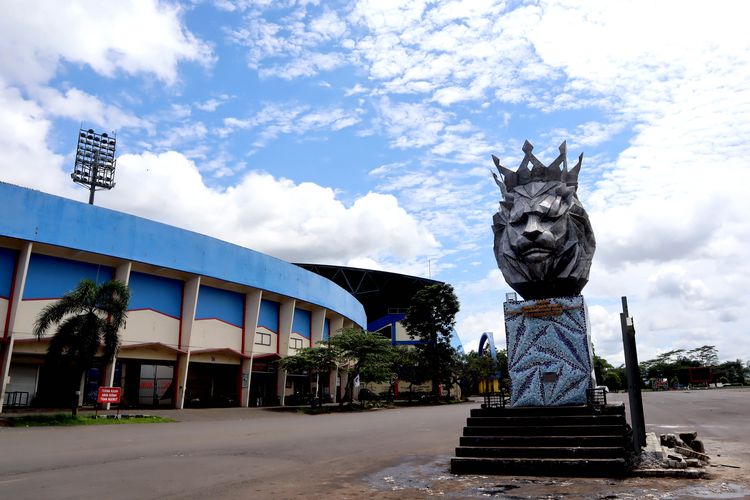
{"x": 550, "y": 359}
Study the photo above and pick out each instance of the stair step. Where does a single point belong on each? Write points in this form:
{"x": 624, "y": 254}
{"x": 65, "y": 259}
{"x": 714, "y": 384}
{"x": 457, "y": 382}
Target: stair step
{"x": 543, "y": 420}
{"x": 511, "y": 411}
{"x": 577, "y": 452}
{"x": 602, "y": 467}
{"x": 546, "y": 430}
{"x": 551, "y": 441}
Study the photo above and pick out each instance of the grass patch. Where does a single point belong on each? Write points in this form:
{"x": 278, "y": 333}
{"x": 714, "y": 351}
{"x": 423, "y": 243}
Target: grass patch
{"x": 61, "y": 419}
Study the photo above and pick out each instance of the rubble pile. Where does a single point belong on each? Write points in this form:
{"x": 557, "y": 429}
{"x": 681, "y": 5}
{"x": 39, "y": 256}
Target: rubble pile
{"x": 673, "y": 452}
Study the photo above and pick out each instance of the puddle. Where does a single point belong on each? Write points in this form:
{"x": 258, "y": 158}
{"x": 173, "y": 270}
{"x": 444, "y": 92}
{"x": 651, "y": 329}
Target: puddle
{"x": 416, "y": 476}
{"x": 713, "y": 491}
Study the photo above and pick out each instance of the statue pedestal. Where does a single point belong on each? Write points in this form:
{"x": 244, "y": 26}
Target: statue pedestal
{"x": 550, "y": 360}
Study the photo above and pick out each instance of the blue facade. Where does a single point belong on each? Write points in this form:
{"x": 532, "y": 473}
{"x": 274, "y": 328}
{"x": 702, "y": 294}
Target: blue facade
{"x": 52, "y": 277}
{"x": 34, "y": 216}
{"x": 301, "y": 324}
{"x": 163, "y": 295}
{"x": 224, "y": 305}
{"x": 7, "y": 266}
{"x": 269, "y": 315}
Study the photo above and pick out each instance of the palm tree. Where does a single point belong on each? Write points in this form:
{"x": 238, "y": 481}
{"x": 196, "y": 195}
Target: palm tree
{"x": 87, "y": 318}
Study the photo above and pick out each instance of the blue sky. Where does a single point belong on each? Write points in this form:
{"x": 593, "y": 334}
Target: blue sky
{"x": 360, "y": 133}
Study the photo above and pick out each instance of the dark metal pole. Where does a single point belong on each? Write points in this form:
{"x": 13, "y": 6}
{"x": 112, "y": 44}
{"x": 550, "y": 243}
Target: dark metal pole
{"x": 634, "y": 378}
{"x": 94, "y": 172}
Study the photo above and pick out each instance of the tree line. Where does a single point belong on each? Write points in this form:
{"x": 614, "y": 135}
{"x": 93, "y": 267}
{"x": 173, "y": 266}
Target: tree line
{"x": 371, "y": 358}
{"x": 678, "y": 368}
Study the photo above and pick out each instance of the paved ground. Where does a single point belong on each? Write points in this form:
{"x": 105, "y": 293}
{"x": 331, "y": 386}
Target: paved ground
{"x": 402, "y": 453}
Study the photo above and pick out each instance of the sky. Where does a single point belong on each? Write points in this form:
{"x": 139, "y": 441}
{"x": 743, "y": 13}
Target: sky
{"x": 360, "y": 134}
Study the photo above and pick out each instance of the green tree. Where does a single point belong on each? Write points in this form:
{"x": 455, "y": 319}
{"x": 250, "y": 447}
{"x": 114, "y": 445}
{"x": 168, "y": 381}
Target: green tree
{"x": 365, "y": 355}
{"x": 731, "y": 371}
{"x": 87, "y": 318}
{"x": 431, "y": 318}
{"x": 706, "y": 355}
{"x": 407, "y": 365}
{"x": 315, "y": 360}
{"x": 601, "y": 368}
{"x": 612, "y": 380}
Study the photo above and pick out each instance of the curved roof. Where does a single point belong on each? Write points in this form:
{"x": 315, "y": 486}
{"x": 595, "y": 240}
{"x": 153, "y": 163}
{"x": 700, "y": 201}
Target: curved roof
{"x": 380, "y": 292}
{"x": 38, "y": 217}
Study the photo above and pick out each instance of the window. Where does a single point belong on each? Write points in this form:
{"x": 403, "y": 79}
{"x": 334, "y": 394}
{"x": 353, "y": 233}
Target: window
{"x": 262, "y": 338}
{"x": 295, "y": 343}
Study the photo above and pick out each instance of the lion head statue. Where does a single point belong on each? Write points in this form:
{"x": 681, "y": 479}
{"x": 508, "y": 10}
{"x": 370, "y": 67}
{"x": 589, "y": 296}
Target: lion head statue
{"x": 543, "y": 238}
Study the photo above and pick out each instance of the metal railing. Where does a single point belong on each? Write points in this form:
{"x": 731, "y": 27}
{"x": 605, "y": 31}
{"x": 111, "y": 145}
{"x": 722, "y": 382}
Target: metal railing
{"x": 596, "y": 396}
{"x": 494, "y": 400}
{"x": 16, "y": 398}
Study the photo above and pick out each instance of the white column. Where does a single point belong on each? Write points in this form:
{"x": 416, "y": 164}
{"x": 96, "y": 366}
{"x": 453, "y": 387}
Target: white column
{"x": 252, "y": 312}
{"x": 16, "y": 295}
{"x": 337, "y": 324}
{"x": 122, "y": 273}
{"x": 317, "y": 325}
{"x": 286, "y": 318}
{"x": 187, "y": 315}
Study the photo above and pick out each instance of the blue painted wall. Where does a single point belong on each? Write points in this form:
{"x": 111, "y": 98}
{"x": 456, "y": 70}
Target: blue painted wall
{"x": 52, "y": 277}
{"x": 269, "y": 315}
{"x": 154, "y": 292}
{"x": 326, "y": 329}
{"x": 39, "y": 217}
{"x": 220, "y": 304}
{"x": 7, "y": 266}
{"x": 301, "y": 322}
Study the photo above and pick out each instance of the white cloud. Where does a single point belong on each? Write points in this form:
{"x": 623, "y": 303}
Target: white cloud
{"x": 81, "y": 106}
{"x": 296, "y": 222}
{"x": 25, "y": 158}
{"x": 273, "y": 120}
{"x": 133, "y": 37}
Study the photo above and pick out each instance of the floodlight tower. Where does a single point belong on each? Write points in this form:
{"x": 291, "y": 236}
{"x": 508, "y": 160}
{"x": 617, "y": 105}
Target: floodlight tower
{"x": 95, "y": 162}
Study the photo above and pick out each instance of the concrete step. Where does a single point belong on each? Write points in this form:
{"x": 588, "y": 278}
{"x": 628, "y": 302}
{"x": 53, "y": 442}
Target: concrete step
{"x": 602, "y": 467}
{"x": 550, "y": 441}
{"x": 577, "y": 452}
{"x": 547, "y": 430}
{"x": 544, "y": 420}
{"x": 551, "y": 411}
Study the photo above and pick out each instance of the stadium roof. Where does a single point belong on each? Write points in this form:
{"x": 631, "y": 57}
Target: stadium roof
{"x": 380, "y": 292}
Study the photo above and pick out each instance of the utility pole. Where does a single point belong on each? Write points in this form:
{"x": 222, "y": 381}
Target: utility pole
{"x": 634, "y": 378}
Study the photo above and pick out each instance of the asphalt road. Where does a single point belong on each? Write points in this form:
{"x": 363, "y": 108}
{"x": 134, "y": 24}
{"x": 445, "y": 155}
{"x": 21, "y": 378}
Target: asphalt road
{"x": 400, "y": 453}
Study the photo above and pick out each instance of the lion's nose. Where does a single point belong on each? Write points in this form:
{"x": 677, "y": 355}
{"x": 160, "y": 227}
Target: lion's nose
{"x": 533, "y": 229}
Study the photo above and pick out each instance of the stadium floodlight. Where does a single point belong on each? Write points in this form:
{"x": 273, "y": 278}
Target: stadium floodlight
{"x": 95, "y": 162}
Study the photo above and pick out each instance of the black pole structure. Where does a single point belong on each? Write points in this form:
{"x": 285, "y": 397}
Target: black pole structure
{"x": 633, "y": 375}
{"x": 95, "y": 162}
{"x": 94, "y": 171}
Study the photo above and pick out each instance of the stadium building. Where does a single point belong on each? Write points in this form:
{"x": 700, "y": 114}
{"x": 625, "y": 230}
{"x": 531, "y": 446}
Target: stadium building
{"x": 206, "y": 321}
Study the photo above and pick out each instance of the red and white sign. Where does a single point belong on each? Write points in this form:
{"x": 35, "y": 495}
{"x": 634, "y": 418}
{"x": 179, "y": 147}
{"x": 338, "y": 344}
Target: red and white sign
{"x": 109, "y": 395}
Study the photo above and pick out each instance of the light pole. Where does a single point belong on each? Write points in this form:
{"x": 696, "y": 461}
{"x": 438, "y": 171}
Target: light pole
{"x": 95, "y": 162}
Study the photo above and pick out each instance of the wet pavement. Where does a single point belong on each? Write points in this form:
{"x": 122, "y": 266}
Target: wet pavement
{"x": 413, "y": 479}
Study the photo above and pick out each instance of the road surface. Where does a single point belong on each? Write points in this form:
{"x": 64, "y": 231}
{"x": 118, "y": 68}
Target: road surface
{"x": 399, "y": 453}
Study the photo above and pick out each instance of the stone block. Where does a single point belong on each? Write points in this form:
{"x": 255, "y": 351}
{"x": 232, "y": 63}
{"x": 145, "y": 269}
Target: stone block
{"x": 671, "y": 441}
{"x": 688, "y": 437}
{"x": 697, "y": 445}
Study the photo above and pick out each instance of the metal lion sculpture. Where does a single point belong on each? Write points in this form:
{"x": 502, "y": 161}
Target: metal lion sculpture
{"x": 543, "y": 238}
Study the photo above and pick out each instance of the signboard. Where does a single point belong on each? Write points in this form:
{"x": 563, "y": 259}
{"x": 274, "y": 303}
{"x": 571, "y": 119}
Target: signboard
{"x": 109, "y": 395}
